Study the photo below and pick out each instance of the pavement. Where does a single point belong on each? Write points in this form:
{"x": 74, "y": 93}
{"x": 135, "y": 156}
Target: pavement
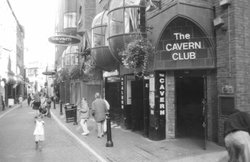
{"x": 133, "y": 147}
{"x": 17, "y": 140}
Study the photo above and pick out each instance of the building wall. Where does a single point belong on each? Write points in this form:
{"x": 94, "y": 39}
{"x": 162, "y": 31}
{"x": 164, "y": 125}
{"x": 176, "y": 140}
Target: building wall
{"x": 86, "y": 11}
{"x": 11, "y": 48}
{"x": 170, "y": 105}
{"x": 233, "y": 62}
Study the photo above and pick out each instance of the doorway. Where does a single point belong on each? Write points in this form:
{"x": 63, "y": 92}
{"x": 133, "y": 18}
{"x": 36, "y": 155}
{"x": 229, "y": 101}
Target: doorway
{"x": 189, "y": 96}
{"x": 140, "y": 106}
{"x": 137, "y": 105}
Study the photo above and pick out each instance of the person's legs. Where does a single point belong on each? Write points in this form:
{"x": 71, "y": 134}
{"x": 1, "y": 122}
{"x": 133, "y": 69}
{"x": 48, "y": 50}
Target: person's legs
{"x": 99, "y": 129}
{"x": 102, "y": 128}
{"x": 82, "y": 124}
{"x": 85, "y": 126}
{"x": 36, "y": 144}
{"x": 48, "y": 114}
{"x": 40, "y": 145}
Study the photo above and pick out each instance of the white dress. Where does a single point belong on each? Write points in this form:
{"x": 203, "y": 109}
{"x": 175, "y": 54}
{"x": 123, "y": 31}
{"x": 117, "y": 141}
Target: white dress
{"x": 39, "y": 131}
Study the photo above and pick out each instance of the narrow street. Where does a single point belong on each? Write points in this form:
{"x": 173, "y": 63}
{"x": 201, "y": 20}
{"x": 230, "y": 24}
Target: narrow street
{"x": 64, "y": 143}
{"x": 17, "y": 141}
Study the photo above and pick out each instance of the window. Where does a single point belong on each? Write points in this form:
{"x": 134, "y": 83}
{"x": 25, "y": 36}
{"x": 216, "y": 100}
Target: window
{"x": 70, "y": 20}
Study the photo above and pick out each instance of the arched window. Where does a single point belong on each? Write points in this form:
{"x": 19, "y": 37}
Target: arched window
{"x": 70, "y": 56}
{"x": 124, "y": 16}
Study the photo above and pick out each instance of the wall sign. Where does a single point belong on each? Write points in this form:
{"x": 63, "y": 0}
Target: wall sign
{"x": 122, "y": 93}
{"x": 152, "y": 94}
{"x": 161, "y": 92}
{"x": 64, "y": 40}
{"x": 184, "y": 46}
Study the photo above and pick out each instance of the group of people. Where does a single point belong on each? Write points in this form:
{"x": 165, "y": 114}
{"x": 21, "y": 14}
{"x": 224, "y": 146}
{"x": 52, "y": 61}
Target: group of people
{"x": 236, "y": 126}
{"x": 40, "y": 102}
{"x": 99, "y": 108}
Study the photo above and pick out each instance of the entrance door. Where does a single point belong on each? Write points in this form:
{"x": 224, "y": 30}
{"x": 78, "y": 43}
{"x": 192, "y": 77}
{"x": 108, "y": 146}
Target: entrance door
{"x": 137, "y": 113}
{"x": 112, "y": 95}
{"x": 189, "y": 97}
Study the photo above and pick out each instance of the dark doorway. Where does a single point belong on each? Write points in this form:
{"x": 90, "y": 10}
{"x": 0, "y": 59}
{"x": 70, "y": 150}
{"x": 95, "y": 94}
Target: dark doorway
{"x": 137, "y": 113}
{"x": 112, "y": 95}
{"x": 189, "y": 96}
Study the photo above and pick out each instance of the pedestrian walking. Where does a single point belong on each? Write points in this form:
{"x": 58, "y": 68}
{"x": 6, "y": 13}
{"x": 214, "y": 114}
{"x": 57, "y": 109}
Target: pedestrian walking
{"x": 29, "y": 99}
{"x": 237, "y": 138}
{"x": 99, "y": 110}
{"x": 39, "y": 132}
{"x": 84, "y": 116}
{"x": 20, "y": 99}
{"x": 48, "y": 105}
{"x": 36, "y": 102}
{"x": 43, "y": 109}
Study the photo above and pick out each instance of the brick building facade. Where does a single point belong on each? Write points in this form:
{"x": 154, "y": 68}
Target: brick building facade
{"x": 217, "y": 71}
{"x": 232, "y": 48}
{"x": 198, "y": 74}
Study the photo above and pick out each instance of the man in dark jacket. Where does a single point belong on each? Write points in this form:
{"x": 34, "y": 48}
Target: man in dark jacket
{"x": 99, "y": 110}
{"x": 237, "y": 138}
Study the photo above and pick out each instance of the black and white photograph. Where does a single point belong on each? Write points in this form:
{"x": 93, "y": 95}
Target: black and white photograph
{"x": 124, "y": 81}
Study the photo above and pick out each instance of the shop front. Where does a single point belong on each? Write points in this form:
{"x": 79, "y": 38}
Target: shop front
{"x": 182, "y": 86}
{"x": 176, "y": 96}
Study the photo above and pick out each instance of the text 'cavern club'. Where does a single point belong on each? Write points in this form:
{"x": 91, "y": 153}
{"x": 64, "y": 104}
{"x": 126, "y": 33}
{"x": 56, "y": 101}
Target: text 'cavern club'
{"x": 183, "y": 47}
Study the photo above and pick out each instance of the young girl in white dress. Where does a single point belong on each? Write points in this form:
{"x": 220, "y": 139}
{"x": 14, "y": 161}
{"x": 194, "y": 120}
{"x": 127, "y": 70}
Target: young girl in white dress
{"x": 39, "y": 132}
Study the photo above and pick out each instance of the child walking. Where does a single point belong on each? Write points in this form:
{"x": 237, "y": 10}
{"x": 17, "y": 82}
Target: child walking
{"x": 84, "y": 116}
{"x": 39, "y": 131}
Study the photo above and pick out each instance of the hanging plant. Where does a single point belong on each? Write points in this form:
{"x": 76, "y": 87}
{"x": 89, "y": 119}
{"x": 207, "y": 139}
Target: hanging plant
{"x": 88, "y": 65}
{"x": 75, "y": 72}
{"x": 63, "y": 75}
{"x": 135, "y": 56}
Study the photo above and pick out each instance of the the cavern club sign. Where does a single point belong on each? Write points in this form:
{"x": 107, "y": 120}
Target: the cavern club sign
{"x": 183, "y": 50}
{"x": 64, "y": 40}
{"x": 184, "y": 47}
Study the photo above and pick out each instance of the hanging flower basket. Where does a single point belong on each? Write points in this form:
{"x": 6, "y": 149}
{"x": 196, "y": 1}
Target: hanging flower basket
{"x": 62, "y": 75}
{"x": 75, "y": 72}
{"x": 88, "y": 65}
{"x": 135, "y": 56}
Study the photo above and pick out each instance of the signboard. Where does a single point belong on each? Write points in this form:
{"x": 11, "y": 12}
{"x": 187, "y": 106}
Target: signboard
{"x": 184, "y": 46}
{"x": 10, "y": 101}
{"x": 64, "y": 40}
{"x": 161, "y": 91}
{"x": 49, "y": 73}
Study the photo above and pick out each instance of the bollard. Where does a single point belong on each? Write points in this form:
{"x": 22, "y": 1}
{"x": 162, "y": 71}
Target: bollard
{"x": 109, "y": 136}
{"x": 3, "y": 104}
{"x": 61, "y": 112}
{"x": 75, "y": 113}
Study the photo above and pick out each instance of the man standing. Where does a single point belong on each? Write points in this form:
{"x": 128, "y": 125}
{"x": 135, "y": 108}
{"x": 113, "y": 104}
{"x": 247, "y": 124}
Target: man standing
{"x": 99, "y": 110}
{"x": 237, "y": 138}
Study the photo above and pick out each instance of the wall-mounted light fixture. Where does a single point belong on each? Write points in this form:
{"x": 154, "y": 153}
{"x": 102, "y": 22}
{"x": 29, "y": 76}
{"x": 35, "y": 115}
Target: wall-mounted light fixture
{"x": 218, "y": 22}
{"x": 225, "y": 3}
